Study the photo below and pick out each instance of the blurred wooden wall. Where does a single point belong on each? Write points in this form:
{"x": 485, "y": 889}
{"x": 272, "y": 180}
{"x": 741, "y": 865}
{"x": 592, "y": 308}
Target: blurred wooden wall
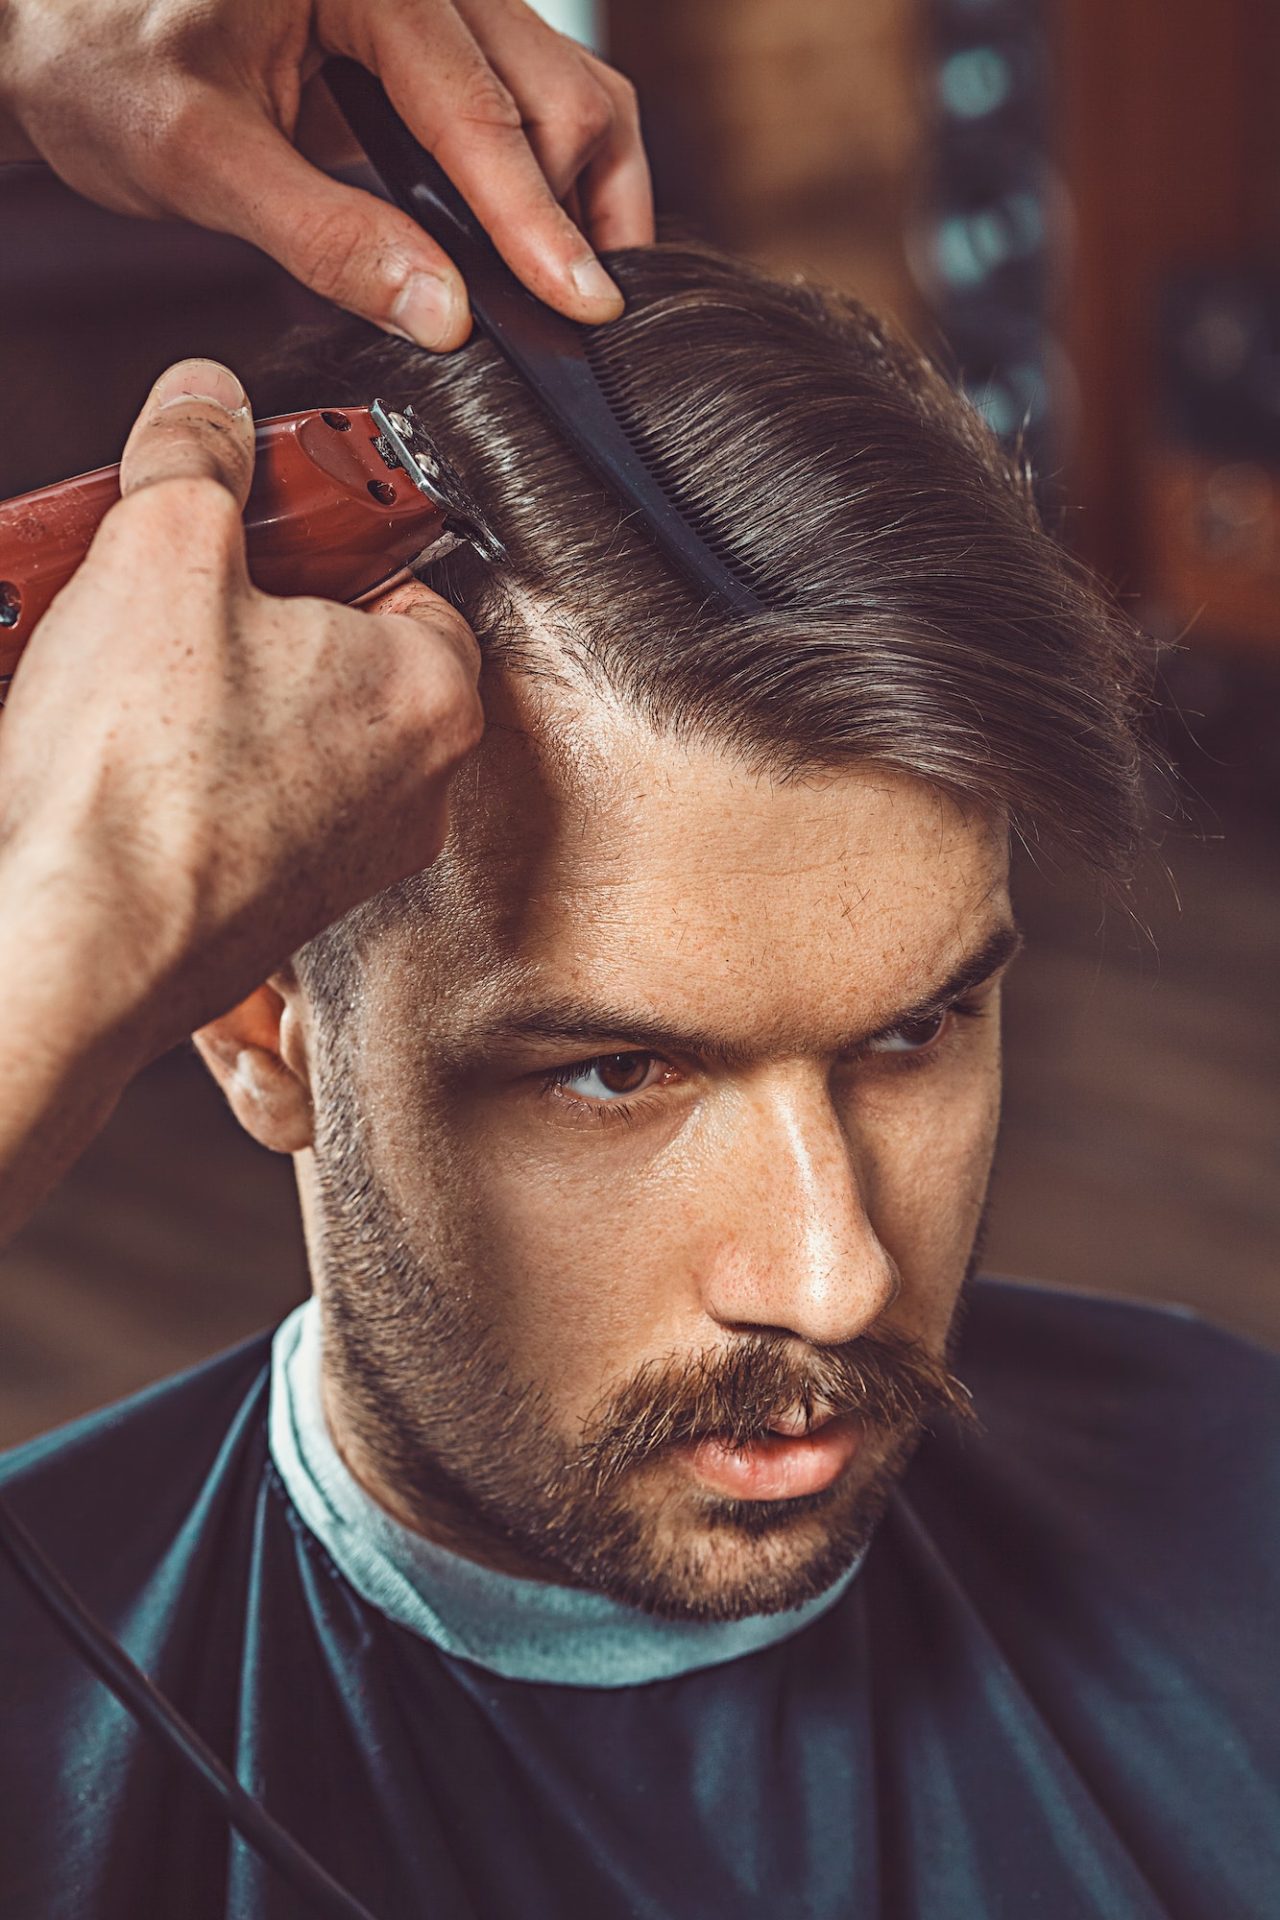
{"x": 790, "y": 133}
{"x": 800, "y": 135}
{"x": 1168, "y": 131}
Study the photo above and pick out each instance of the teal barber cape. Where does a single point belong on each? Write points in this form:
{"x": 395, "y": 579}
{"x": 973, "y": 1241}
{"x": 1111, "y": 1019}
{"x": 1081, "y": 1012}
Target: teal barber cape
{"x": 1049, "y": 1693}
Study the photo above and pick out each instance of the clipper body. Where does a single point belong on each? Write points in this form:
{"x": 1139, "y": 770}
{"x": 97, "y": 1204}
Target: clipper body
{"x": 343, "y": 500}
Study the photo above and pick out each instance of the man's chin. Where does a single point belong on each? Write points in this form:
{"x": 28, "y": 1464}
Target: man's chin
{"x": 732, "y": 1573}
{"x": 727, "y": 1559}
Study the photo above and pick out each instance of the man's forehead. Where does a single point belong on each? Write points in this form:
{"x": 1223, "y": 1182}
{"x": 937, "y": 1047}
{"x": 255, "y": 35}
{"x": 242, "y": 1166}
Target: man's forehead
{"x": 595, "y": 860}
{"x": 573, "y": 791}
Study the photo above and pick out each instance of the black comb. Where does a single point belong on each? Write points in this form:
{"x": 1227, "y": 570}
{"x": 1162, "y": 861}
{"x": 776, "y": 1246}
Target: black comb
{"x": 547, "y": 350}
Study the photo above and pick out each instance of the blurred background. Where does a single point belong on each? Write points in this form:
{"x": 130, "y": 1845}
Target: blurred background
{"x": 1076, "y": 204}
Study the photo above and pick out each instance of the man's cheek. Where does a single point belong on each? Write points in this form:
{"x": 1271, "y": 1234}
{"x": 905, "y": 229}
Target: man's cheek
{"x": 565, "y": 1274}
{"x": 933, "y": 1172}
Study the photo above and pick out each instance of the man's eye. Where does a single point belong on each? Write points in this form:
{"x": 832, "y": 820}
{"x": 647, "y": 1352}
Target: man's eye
{"x": 913, "y": 1036}
{"x": 614, "y": 1076}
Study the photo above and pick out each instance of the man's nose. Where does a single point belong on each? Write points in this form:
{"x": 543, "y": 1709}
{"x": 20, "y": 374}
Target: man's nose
{"x": 797, "y": 1251}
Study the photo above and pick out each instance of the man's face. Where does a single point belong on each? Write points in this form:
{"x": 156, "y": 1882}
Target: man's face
{"x": 650, "y": 1158}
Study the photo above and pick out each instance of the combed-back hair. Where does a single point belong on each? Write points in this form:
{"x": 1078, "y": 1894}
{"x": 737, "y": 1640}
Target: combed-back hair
{"x": 916, "y": 612}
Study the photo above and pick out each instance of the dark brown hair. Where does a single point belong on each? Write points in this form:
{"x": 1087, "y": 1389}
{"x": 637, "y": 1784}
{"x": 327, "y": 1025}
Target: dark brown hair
{"x": 917, "y": 613}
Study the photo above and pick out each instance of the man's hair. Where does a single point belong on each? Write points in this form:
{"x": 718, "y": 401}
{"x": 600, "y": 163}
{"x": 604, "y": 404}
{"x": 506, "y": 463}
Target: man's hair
{"x": 916, "y": 612}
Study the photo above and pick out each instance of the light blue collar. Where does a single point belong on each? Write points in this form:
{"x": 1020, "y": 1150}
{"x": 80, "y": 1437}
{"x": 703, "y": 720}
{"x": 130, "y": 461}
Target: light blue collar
{"x": 522, "y": 1629}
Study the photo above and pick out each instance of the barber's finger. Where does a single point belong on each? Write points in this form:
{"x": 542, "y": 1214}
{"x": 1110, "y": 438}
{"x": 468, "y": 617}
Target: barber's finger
{"x": 441, "y": 83}
{"x": 582, "y": 121}
{"x": 414, "y": 600}
{"x": 195, "y": 424}
{"x": 615, "y": 189}
{"x": 345, "y": 244}
{"x": 565, "y": 111}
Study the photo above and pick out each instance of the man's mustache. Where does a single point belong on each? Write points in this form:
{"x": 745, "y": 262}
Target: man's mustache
{"x": 888, "y": 1380}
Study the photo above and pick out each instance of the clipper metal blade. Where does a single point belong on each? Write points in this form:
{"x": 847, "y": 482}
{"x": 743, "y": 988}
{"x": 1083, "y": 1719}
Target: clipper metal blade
{"x": 404, "y": 442}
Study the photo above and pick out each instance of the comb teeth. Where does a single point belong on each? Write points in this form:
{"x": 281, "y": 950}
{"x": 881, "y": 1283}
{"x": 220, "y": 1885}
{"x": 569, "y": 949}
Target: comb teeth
{"x": 617, "y": 386}
{"x": 547, "y": 350}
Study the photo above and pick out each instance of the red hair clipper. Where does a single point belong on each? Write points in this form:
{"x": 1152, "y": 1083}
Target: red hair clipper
{"x": 344, "y": 500}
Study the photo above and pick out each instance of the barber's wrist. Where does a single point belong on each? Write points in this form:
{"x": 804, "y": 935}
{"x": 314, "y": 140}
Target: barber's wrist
{"x": 75, "y": 1031}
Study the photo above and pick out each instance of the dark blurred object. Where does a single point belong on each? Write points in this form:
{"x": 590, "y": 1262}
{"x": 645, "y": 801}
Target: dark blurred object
{"x": 1211, "y": 473}
{"x": 1212, "y": 548}
{"x": 991, "y": 231}
{"x": 62, "y": 254}
{"x": 790, "y": 134}
{"x": 1220, "y": 362}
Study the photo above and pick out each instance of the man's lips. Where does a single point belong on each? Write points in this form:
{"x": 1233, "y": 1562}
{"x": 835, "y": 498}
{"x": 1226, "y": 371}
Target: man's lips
{"x": 780, "y": 1466}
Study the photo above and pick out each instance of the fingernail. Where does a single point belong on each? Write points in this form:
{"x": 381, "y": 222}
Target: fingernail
{"x": 199, "y": 380}
{"x": 594, "y": 284}
{"x": 428, "y": 309}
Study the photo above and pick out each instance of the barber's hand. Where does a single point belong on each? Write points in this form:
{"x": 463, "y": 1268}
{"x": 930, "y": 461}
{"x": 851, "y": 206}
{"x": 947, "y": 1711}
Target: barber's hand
{"x": 195, "y": 777}
{"x": 197, "y": 108}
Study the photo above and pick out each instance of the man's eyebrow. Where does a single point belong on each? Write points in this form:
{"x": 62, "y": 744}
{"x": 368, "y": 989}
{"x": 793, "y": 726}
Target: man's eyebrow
{"x": 584, "y": 1023}
{"x": 1001, "y": 946}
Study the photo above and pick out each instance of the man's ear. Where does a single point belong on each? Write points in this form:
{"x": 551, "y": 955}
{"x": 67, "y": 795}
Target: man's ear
{"x": 257, "y": 1055}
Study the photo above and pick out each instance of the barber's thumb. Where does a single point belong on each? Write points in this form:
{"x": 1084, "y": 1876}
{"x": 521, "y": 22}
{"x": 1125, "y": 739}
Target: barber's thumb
{"x": 196, "y": 423}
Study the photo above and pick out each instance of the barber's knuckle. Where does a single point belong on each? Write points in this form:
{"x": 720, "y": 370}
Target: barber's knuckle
{"x": 591, "y": 115}
{"x": 331, "y": 247}
{"x": 626, "y": 95}
{"x": 449, "y": 718}
{"x": 484, "y": 101}
{"x": 468, "y": 722}
{"x": 168, "y": 129}
{"x": 621, "y": 93}
{"x": 574, "y": 124}
{"x": 169, "y": 35}
{"x": 626, "y": 108}
{"x": 178, "y": 128}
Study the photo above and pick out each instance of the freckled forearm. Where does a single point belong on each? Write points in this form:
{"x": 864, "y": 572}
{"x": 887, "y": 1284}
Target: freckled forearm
{"x": 70, "y": 1039}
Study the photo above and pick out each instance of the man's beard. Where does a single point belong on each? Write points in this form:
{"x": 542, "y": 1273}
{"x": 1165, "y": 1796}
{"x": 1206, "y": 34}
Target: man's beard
{"x": 474, "y": 1457}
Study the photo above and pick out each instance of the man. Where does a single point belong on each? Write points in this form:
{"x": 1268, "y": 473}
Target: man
{"x": 562, "y": 1556}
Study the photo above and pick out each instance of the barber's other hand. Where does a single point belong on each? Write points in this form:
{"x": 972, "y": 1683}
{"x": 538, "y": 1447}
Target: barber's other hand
{"x": 199, "y": 108}
{"x": 195, "y": 777}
